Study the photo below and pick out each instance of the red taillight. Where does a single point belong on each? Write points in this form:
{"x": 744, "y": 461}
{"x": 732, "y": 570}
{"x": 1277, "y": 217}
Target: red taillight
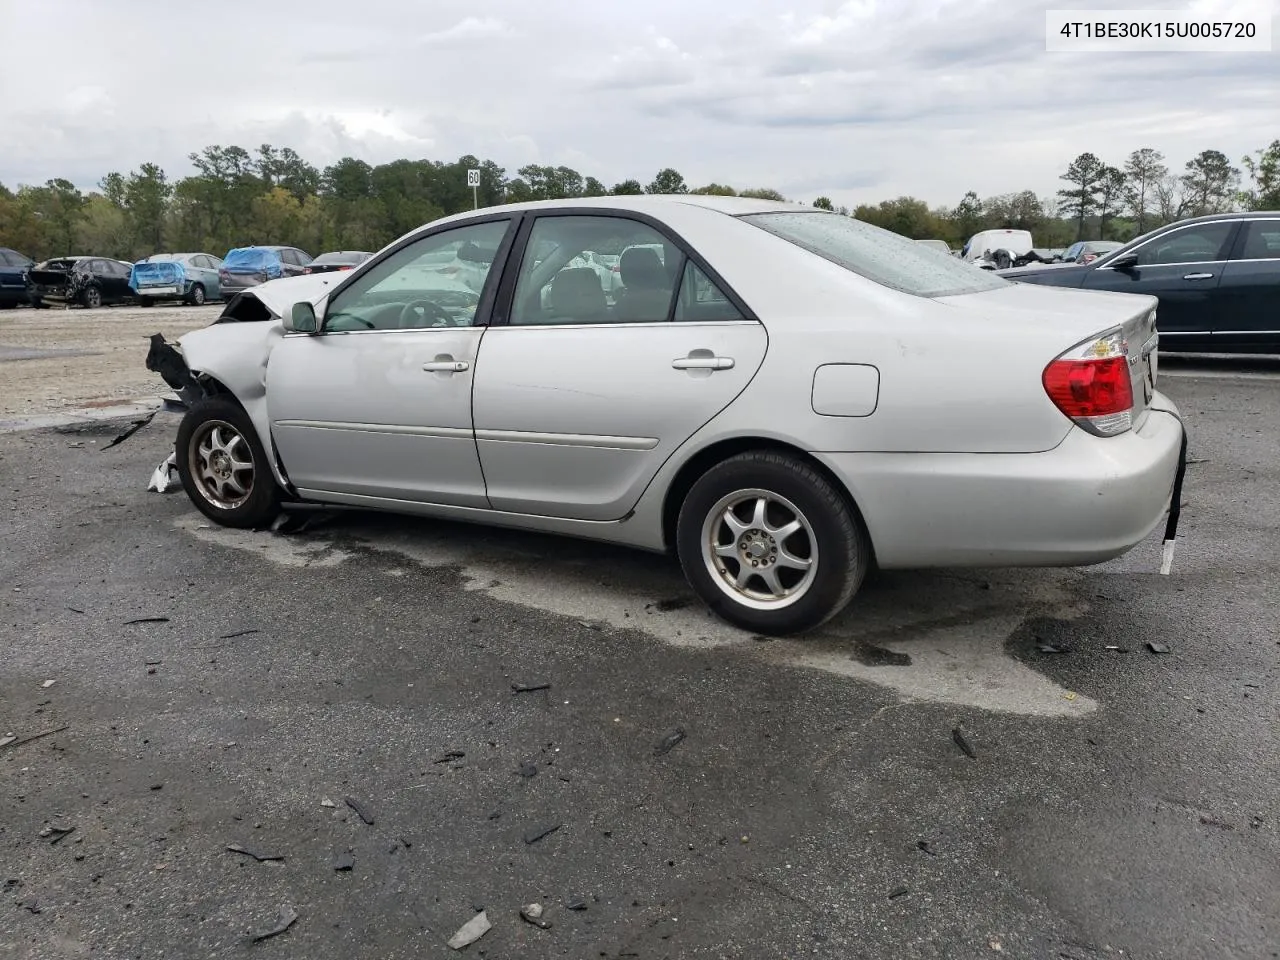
{"x": 349, "y": 266}
{"x": 1092, "y": 385}
{"x": 306, "y": 269}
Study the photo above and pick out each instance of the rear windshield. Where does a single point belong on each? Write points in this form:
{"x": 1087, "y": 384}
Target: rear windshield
{"x": 347, "y": 256}
{"x": 882, "y": 256}
{"x": 251, "y": 257}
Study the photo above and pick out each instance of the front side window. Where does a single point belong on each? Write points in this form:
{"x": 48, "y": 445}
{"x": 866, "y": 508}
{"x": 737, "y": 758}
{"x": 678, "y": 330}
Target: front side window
{"x": 879, "y": 255}
{"x": 1261, "y": 240}
{"x": 1194, "y": 244}
{"x": 596, "y": 269}
{"x": 433, "y": 282}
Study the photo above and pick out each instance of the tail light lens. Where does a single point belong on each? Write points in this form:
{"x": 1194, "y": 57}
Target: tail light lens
{"x": 306, "y": 269}
{"x": 1091, "y": 384}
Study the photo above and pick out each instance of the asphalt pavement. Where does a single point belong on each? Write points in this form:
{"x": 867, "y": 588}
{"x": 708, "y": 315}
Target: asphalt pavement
{"x": 402, "y": 722}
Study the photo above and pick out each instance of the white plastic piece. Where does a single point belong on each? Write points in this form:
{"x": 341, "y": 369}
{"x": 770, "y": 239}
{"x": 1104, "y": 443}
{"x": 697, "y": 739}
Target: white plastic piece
{"x": 471, "y": 931}
{"x": 1166, "y": 557}
{"x": 165, "y": 475}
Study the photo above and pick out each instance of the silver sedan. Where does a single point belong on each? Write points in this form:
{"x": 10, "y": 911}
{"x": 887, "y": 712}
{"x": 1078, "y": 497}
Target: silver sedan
{"x": 781, "y": 396}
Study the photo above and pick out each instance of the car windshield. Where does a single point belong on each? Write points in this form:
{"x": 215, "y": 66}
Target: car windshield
{"x": 888, "y": 259}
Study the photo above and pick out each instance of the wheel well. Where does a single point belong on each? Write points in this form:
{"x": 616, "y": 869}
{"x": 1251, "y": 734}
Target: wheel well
{"x": 704, "y": 460}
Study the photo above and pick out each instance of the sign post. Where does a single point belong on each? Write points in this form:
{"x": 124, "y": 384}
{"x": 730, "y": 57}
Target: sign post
{"x": 473, "y": 181}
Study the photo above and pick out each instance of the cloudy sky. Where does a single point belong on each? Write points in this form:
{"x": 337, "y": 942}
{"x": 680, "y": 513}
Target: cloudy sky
{"x": 856, "y": 99}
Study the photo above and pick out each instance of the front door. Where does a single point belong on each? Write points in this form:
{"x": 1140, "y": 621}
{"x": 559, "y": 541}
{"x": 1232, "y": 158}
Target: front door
{"x": 593, "y": 384}
{"x": 378, "y": 404}
{"x": 1183, "y": 269}
{"x": 1249, "y": 295}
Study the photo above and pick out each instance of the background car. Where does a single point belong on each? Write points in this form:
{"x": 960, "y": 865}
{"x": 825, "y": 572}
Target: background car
{"x": 89, "y": 281}
{"x": 1217, "y": 279}
{"x": 988, "y": 248}
{"x": 190, "y": 277}
{"x": 779, "y": 396}
{"x": 13, "y": 278}
{"x": 337, "y": 261}
{"x": 245, "y": 267}
{"x": 1086, "y": 251}
{"x": 940, "y": 245}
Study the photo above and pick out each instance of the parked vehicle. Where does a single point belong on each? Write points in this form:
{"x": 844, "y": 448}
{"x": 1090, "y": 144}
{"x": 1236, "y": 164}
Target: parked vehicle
{"x": 940, "y": 245}
{"x": 1217, "y": 279}
{"x": 995, "y": 249}
{"x": 89, "y": 281}
{"x": 782, "y": 398}
{"x": 245, "y": 267}
{"x": 1086, "y": 251}
{"x": 337, "y": 261}
{"x": 189, "y": 277}
{"x": 13, "y": 278}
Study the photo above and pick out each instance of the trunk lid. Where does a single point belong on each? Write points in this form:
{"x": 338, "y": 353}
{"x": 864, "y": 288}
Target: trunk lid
{"x": 160, "y": 273}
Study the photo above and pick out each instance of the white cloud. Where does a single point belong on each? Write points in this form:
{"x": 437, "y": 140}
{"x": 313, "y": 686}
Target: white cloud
{"x": 860, "y": 100}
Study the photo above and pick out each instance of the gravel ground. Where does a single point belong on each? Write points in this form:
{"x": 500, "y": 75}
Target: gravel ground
{"x": 214, "y": 688}
{"x": 55, "y": 359}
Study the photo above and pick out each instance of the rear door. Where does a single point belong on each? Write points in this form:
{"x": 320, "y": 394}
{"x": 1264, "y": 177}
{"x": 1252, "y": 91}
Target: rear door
{"x": 582, "y": 392}
{"x": 1248, "y": 315}
{"x": 1182, "y": 268}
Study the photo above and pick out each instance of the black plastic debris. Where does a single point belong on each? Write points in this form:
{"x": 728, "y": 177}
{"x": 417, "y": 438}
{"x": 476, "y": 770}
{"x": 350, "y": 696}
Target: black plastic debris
{"x": 667, "y": 743}
{"x": 534, "y": 834}
{"x": 963, "y": 744}
{"x": 897, "y": 892}
{"x": 130, "y": 623}
{"x": 360, "y": 810}
{"x": 260, "y": 857}
{"x": 576, "y": 903}
{"x": 527, "y": 769}
{"x": 54, "y": 833}
{"x": 449, "y": 756}
{"x": 924, "y": 846}
{"x": 529, "y": 687}
{"x": 16, "y": 742}
{"x": 1214, "y": 822}
{"x": 1155, "y": 646}
{"x": 285, "y": 919}
{"x": 344, "y": 862}
{"x": 238, "y": 633}
{"x": 532, "y": 913}
{"x": 133, "y": 428}
{"x": 163, "y": 358}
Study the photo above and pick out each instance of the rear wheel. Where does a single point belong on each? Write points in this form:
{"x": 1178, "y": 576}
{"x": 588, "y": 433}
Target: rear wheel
{"x": 196, "y": 296}
{"x": 224, "y": 467}
{"x": 146, "y": 302}
{"x": 770, "y": 544}
{"x": 91, "y": 299}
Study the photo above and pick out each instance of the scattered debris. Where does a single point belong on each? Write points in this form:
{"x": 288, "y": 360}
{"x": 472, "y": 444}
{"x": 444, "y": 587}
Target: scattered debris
{"x": 130, "y": 623}
{"x": 666, "y": 744}
{"x": 284, "y": 920}
{"x": 260, "y": 857}
{"x": 1220, "y": 824}
{"x": 165, "y": 477}
{"x": 1050, "y": 648}
{"x": 590, "y": 625}
{"x": 529, "y": 687}
{"x": 361, "y": 812}
{"x": 449, "y": 757}
{"x": 1116, "y": 649}
{"x": 48, "y": 683}
{"x": 54, "y": 833}
{"x": 1069, "y": 695}
{"x": 673, "y": 603}
{"x": 238, "y": 633}
{"x": 471, "y": 931}
{"x": 344, "y": 862}
{"x": 924, "y": 845}
{"x": 576, "y": 903}
{"x": 75, "y": 610}
{"x": 527, "y": 769}
{"x": 1155, "y": 646}
{"x": 326, "y": 802}
{"x": 32, "y": 906}
{"x": 534, "y": 834}
{"x": 962, "y": 743}
{"x": 133, "y": 428}
{"x": 897, "y": 892}
{"x": 13, "y": 741}
{"x": 532, "y": 913}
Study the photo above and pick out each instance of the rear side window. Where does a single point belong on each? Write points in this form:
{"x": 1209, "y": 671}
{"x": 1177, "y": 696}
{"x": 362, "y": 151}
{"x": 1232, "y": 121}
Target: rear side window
{"x": 1261, "y": 240}
{"x": 879, "y": 255}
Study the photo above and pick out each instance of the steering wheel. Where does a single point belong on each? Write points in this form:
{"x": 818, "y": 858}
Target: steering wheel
{"x": 415, "y": 313}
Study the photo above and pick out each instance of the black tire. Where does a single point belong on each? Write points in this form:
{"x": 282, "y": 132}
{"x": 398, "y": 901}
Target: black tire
{"x": 91, "y": 298}
{"x": 256, "y": 508}
{"x": 196, "y": 297}
{"x": 146, "y": 302}
{"x": 827, "y": 522}
{"x": 38, "y": 304}
{"x": 8, "y": 305}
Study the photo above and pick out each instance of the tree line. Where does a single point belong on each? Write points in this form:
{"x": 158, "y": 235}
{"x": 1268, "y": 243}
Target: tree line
{"x": 236, "y": 198}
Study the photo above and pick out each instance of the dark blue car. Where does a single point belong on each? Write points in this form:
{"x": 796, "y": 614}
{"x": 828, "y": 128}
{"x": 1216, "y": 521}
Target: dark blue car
{"x": 13, "y": 278}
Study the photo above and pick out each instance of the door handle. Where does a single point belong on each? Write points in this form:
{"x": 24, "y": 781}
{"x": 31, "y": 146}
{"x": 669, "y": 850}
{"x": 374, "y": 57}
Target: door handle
{"x": 1198, "y": 276}
{"x": 703, "y": 363}
{"x": 446, "y": 365}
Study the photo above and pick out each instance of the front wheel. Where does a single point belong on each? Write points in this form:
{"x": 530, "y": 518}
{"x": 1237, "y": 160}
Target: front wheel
{"x": 224, "y": 467}
{"x": 770, "y": 544}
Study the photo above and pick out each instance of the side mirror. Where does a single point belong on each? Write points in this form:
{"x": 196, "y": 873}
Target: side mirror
{"x": 301, "y": 319}
{"x": 1124, "y": 262}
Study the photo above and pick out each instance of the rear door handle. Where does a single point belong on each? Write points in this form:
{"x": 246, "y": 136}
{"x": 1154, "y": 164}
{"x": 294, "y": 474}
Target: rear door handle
{"x": 703, "y": 363}
{"x": 1198, "y": 276}
{"x": 446, "y": 366}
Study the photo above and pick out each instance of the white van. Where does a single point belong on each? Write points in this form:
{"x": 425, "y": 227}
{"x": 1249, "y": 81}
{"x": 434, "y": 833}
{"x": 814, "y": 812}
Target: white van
{"x": 982, "y": 246}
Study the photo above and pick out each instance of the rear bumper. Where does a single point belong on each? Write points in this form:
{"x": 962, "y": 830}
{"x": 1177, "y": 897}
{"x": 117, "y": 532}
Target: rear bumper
{"x": 234, "y": 283}
{"x": 1088, "y": 500}
{"x": 166, "y": 291}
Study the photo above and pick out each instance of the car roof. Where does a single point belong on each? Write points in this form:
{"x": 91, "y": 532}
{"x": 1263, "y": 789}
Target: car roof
{"x": 650, "y": 203}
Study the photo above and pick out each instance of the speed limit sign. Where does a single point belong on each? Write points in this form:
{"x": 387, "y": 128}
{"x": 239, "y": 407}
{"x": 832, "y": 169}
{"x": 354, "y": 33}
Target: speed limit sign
{"x": 473, "y": 178}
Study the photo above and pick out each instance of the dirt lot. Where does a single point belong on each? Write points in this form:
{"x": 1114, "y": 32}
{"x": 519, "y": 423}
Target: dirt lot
{"x": 56, "y": 359}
